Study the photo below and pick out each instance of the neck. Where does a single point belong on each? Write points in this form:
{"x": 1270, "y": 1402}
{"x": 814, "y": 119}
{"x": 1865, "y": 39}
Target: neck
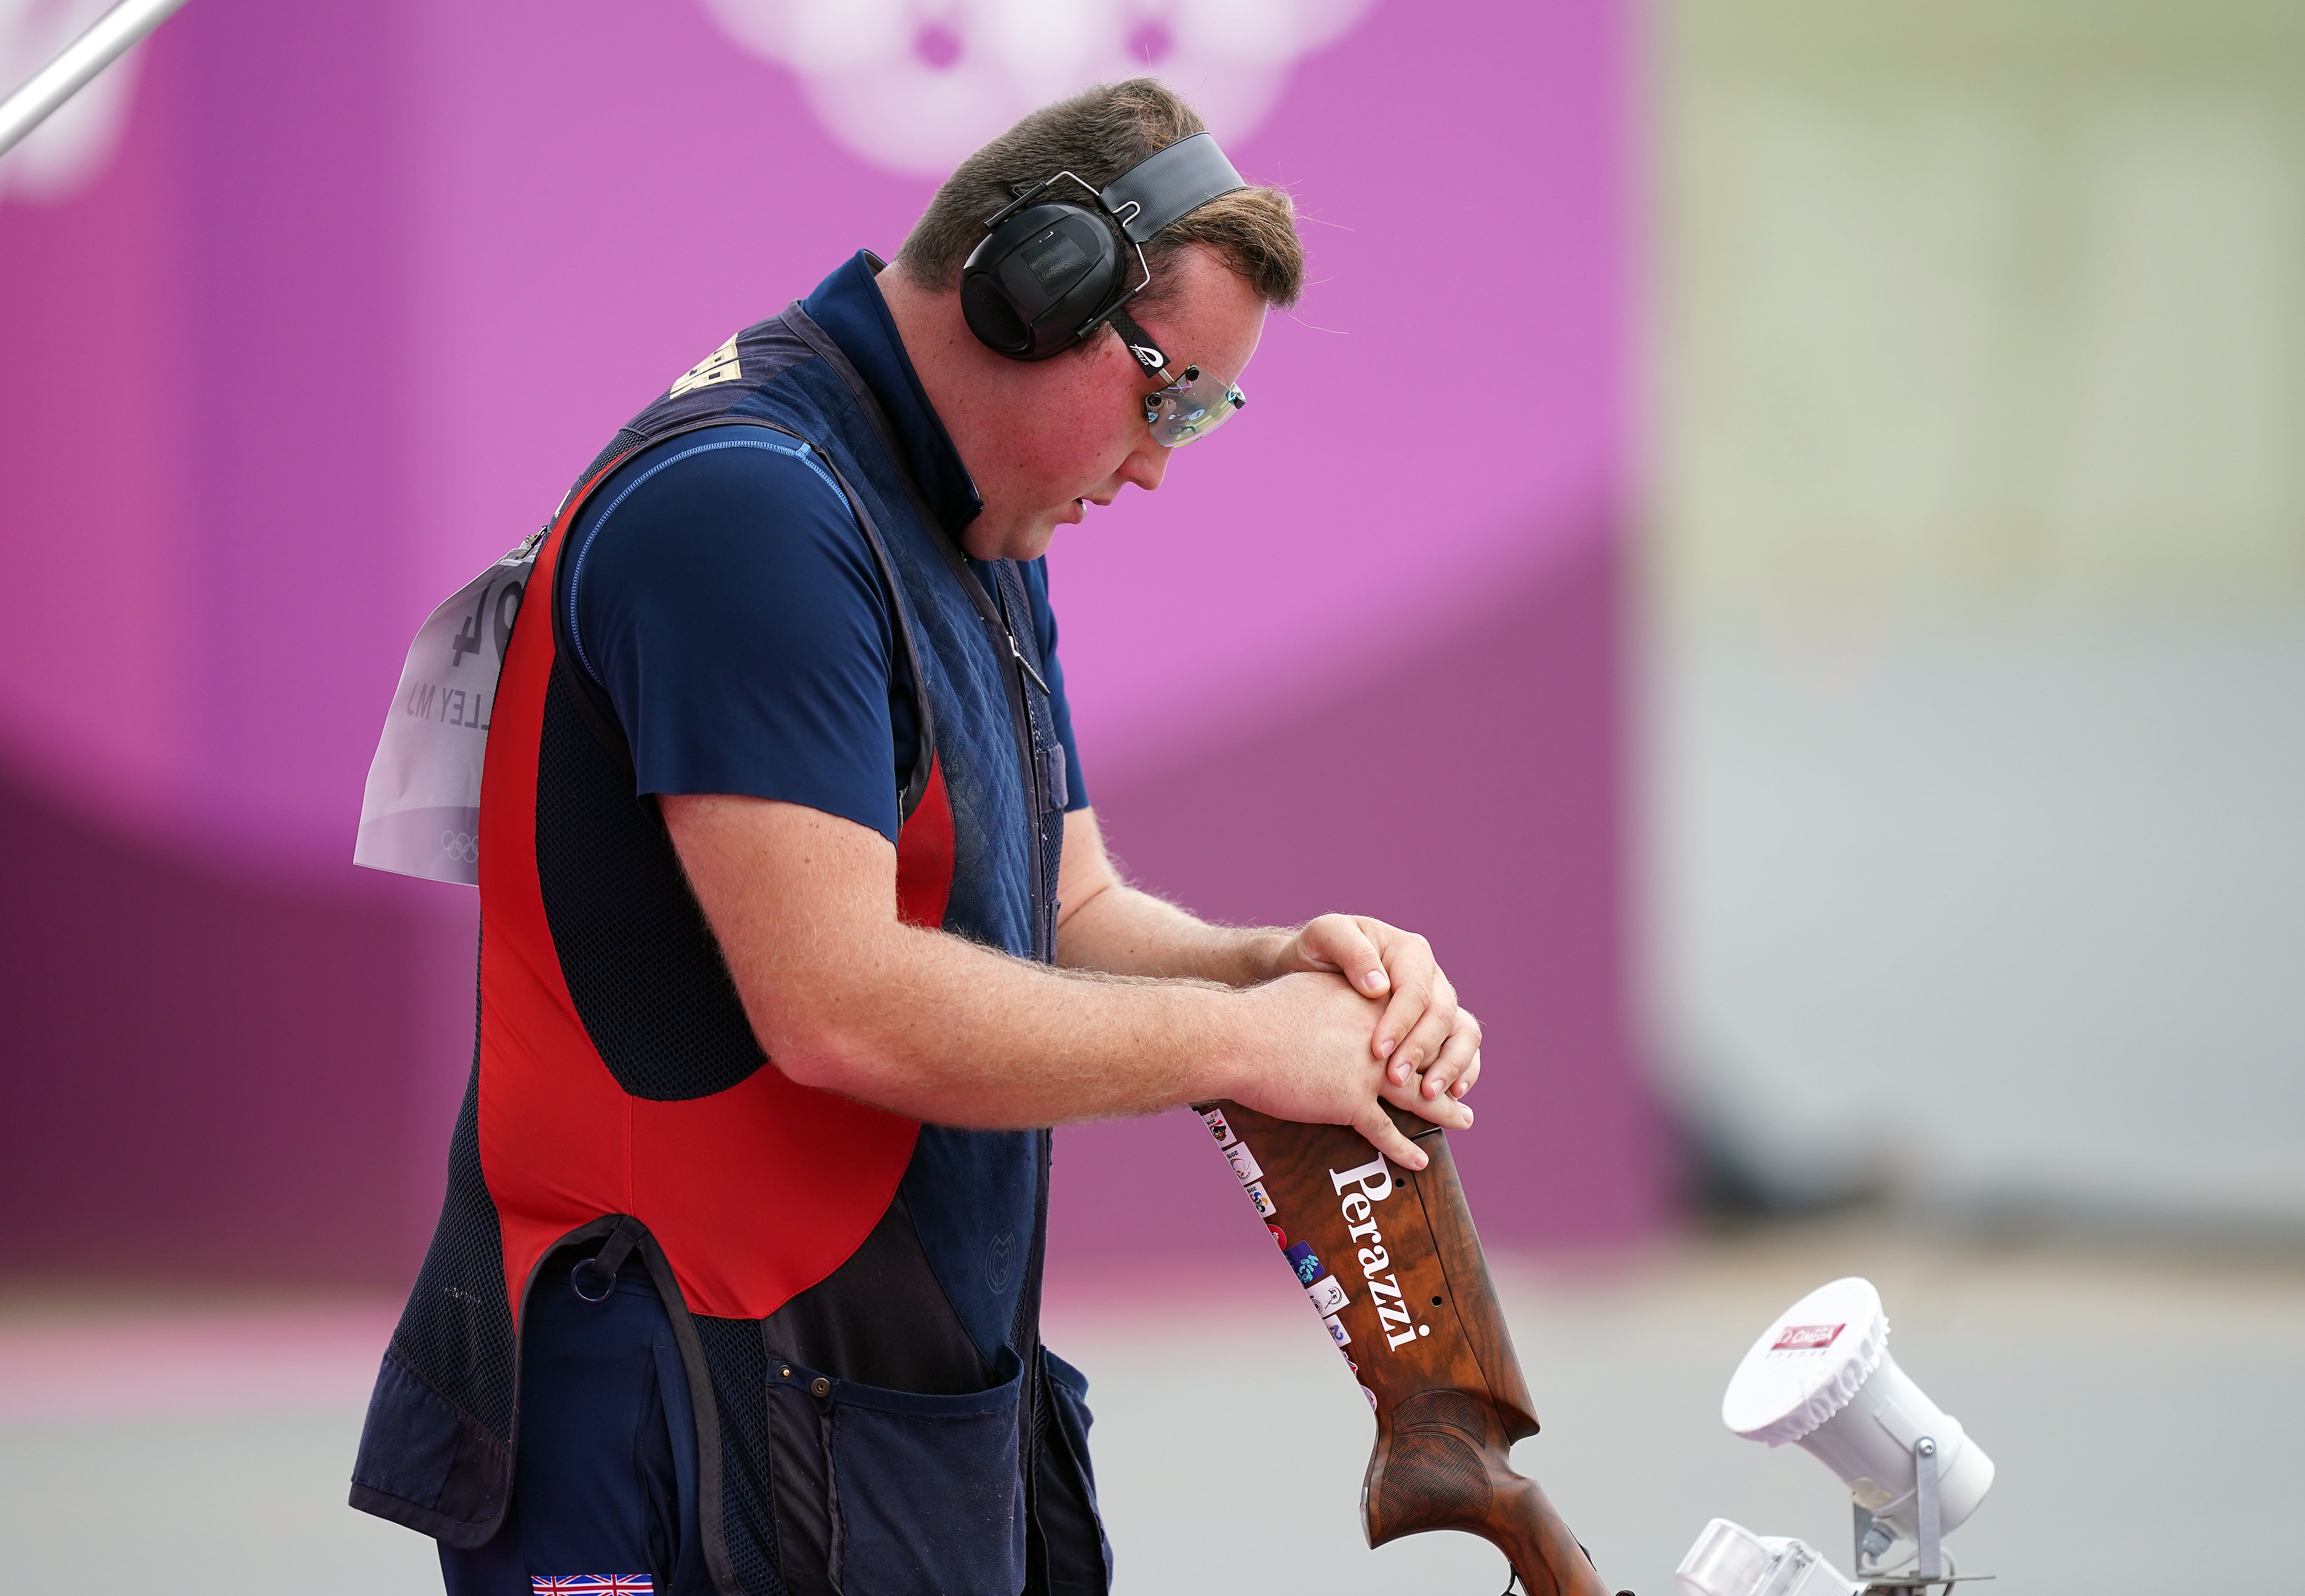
{"x": 957, "y": 373}
{"x": 946, "y": 357}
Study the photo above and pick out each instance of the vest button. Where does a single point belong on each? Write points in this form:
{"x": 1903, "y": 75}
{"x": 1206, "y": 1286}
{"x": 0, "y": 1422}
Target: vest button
{"x": 820, "y": 1386}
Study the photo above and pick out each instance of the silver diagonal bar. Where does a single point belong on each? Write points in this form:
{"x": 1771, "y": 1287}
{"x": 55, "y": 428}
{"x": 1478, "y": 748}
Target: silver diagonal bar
{"x": 107, "y": 38}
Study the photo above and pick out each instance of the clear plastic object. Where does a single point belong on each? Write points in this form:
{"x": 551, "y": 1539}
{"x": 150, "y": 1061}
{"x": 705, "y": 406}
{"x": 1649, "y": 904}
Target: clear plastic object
{"x": 1731, "y": 1560}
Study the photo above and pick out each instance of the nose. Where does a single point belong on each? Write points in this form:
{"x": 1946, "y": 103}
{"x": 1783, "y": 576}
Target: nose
{"x": 1146, "y": 465}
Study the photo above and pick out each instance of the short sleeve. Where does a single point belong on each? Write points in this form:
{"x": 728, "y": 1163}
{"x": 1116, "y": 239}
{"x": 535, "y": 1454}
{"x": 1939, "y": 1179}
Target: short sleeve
{"x": 721, "y": 594}
{"x": 1044, "y": 626}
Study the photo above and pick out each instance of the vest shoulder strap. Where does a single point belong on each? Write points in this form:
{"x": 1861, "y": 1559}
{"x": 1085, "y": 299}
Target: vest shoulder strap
{"x": 598, "y": 714}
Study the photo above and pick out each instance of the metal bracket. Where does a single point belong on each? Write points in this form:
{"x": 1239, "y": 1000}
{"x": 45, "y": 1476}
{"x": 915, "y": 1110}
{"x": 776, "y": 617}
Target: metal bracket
{"x": 1874, "y": 1541}
{"x": 1925, "y": 1507}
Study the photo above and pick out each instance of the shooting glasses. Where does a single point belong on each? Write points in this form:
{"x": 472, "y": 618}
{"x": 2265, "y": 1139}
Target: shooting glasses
{"x": 1191, "y": 403}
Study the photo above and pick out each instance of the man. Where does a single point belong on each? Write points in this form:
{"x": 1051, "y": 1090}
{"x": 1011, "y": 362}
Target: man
{"x": 798, "y": 931}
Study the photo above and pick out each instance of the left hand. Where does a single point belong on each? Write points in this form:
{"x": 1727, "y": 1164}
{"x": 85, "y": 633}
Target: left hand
{"x": 1423, "y": 1028}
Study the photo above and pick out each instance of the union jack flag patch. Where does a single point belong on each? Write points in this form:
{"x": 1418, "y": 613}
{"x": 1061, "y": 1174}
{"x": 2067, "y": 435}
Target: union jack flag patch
{"x": 591, "y": 1585}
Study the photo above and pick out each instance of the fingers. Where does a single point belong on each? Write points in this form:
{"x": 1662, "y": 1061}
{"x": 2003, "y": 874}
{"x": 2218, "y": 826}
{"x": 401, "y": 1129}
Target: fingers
{"x": 1466, "y": 1081}
{"x": 1376, "y": 1127}
{"x": 1458, "y": 1062}
{"x": 1443, "y": 1110}
{"x": 1338, "y": 942}
{"x": 1423, "y": 1006}
{"x": 1426, "y": 1039}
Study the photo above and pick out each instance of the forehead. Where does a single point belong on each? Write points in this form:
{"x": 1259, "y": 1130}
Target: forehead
{"x": 1212, "y": 317}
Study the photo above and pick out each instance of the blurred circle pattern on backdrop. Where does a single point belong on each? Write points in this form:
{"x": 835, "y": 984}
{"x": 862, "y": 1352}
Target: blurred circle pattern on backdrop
{"x": 913, "y": 85}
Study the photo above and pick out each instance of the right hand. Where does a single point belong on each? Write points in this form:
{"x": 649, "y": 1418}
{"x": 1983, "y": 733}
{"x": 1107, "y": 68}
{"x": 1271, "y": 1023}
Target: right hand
{"x": 1307, "y": 1059}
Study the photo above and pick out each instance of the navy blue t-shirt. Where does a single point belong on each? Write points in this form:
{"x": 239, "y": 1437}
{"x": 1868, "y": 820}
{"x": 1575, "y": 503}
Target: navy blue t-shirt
{"x": 723, "y": 596}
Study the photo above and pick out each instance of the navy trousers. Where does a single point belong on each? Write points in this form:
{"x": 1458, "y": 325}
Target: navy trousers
{"x": 605, "y": 1485}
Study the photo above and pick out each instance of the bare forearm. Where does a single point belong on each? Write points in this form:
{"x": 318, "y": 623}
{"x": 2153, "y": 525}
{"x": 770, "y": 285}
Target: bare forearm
{"x": 846, "y": 996}
{"x": 1128, "y": 932}
{"x": 1106, "y": 924}
{"x": 938, "y": 1028}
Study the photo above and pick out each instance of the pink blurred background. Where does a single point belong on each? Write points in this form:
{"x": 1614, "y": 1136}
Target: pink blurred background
{"x": 357, "y": 290}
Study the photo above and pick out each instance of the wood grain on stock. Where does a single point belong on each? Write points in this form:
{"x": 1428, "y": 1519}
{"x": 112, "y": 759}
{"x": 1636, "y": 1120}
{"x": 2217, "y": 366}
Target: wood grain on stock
{"x": 1450, "y": 1399}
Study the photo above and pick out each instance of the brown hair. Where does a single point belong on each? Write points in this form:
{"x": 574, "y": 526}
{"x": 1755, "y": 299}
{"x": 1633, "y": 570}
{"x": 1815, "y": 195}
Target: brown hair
{"x": 1097, "y": 135}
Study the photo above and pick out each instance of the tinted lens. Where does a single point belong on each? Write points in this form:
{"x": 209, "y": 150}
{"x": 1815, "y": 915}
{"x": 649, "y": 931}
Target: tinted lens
{"x": 1193, "y": 408}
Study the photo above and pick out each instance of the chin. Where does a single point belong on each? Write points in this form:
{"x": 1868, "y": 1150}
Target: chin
{"x": 1031, "y": 540}
{"x": 1028, "y": 541}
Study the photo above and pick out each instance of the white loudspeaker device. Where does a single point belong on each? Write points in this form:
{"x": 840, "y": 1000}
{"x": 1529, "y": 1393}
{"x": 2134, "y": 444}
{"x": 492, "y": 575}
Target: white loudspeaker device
{"x": 1821, "y": 1377}
{"x": 1731, "y": 1560}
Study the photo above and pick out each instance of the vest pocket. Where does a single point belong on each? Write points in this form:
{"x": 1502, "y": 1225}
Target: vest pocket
{"x": 926, "y": 1494}
{"x": 1079, "y": 1558}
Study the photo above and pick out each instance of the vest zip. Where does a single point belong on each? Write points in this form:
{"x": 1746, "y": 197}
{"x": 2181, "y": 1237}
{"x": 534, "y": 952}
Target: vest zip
{"x": 1020, "y": 720}
{"x": 1017, "y": 655}
{"x": 1043, "y": 789}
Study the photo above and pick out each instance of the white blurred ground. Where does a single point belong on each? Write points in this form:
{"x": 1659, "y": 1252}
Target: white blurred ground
{"x": 2142, "y": 1410}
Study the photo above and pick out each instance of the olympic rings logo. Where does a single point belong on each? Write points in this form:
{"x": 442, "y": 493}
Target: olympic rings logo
{"x": 461, "y": 846}
{"x": 915, "y": 87}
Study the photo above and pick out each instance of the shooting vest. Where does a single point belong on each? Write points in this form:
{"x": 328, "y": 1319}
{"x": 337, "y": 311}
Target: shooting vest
{"x": 856, "y": 1294}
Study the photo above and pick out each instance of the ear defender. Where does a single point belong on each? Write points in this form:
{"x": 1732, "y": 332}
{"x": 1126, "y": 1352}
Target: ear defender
{"x": 1055, "y": 263}
{"x": 1030, "y": 287}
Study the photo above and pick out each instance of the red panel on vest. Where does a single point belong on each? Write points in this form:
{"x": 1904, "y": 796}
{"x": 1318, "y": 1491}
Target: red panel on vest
{"x": 924, "y": 855}
{"x": 755, "y": 1193}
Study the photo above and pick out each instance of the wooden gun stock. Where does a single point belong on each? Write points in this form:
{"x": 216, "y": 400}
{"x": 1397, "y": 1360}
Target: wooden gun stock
{"x": 1389, "y": 1259}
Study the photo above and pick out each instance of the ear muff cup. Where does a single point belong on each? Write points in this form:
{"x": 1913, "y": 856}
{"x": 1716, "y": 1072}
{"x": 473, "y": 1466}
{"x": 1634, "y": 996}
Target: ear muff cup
{"x": 1028, "y": 287}
{"x": 993, "y": 319}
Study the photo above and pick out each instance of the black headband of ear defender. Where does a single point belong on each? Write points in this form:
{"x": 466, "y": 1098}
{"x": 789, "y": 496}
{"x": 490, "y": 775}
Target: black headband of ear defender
{"x": 1052, "y": 270}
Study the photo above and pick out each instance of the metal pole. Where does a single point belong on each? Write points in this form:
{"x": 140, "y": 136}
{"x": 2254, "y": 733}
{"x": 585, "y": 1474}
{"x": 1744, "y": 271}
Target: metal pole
{"x": 107, "y": 40}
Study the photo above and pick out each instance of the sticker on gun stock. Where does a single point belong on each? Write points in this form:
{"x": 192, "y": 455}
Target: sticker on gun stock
{"x": 1337, "y": 1331}
{"x": 1244, "y": 1162}
{"x": 1218, "y": 1128}
{"x": 1328, "y": 1295}
{"x": 1265, "y": 1206}
{"x": 1302, "y": 1259}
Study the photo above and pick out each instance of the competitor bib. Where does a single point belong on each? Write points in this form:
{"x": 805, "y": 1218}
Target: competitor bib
{"x": 421, "y": 814}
